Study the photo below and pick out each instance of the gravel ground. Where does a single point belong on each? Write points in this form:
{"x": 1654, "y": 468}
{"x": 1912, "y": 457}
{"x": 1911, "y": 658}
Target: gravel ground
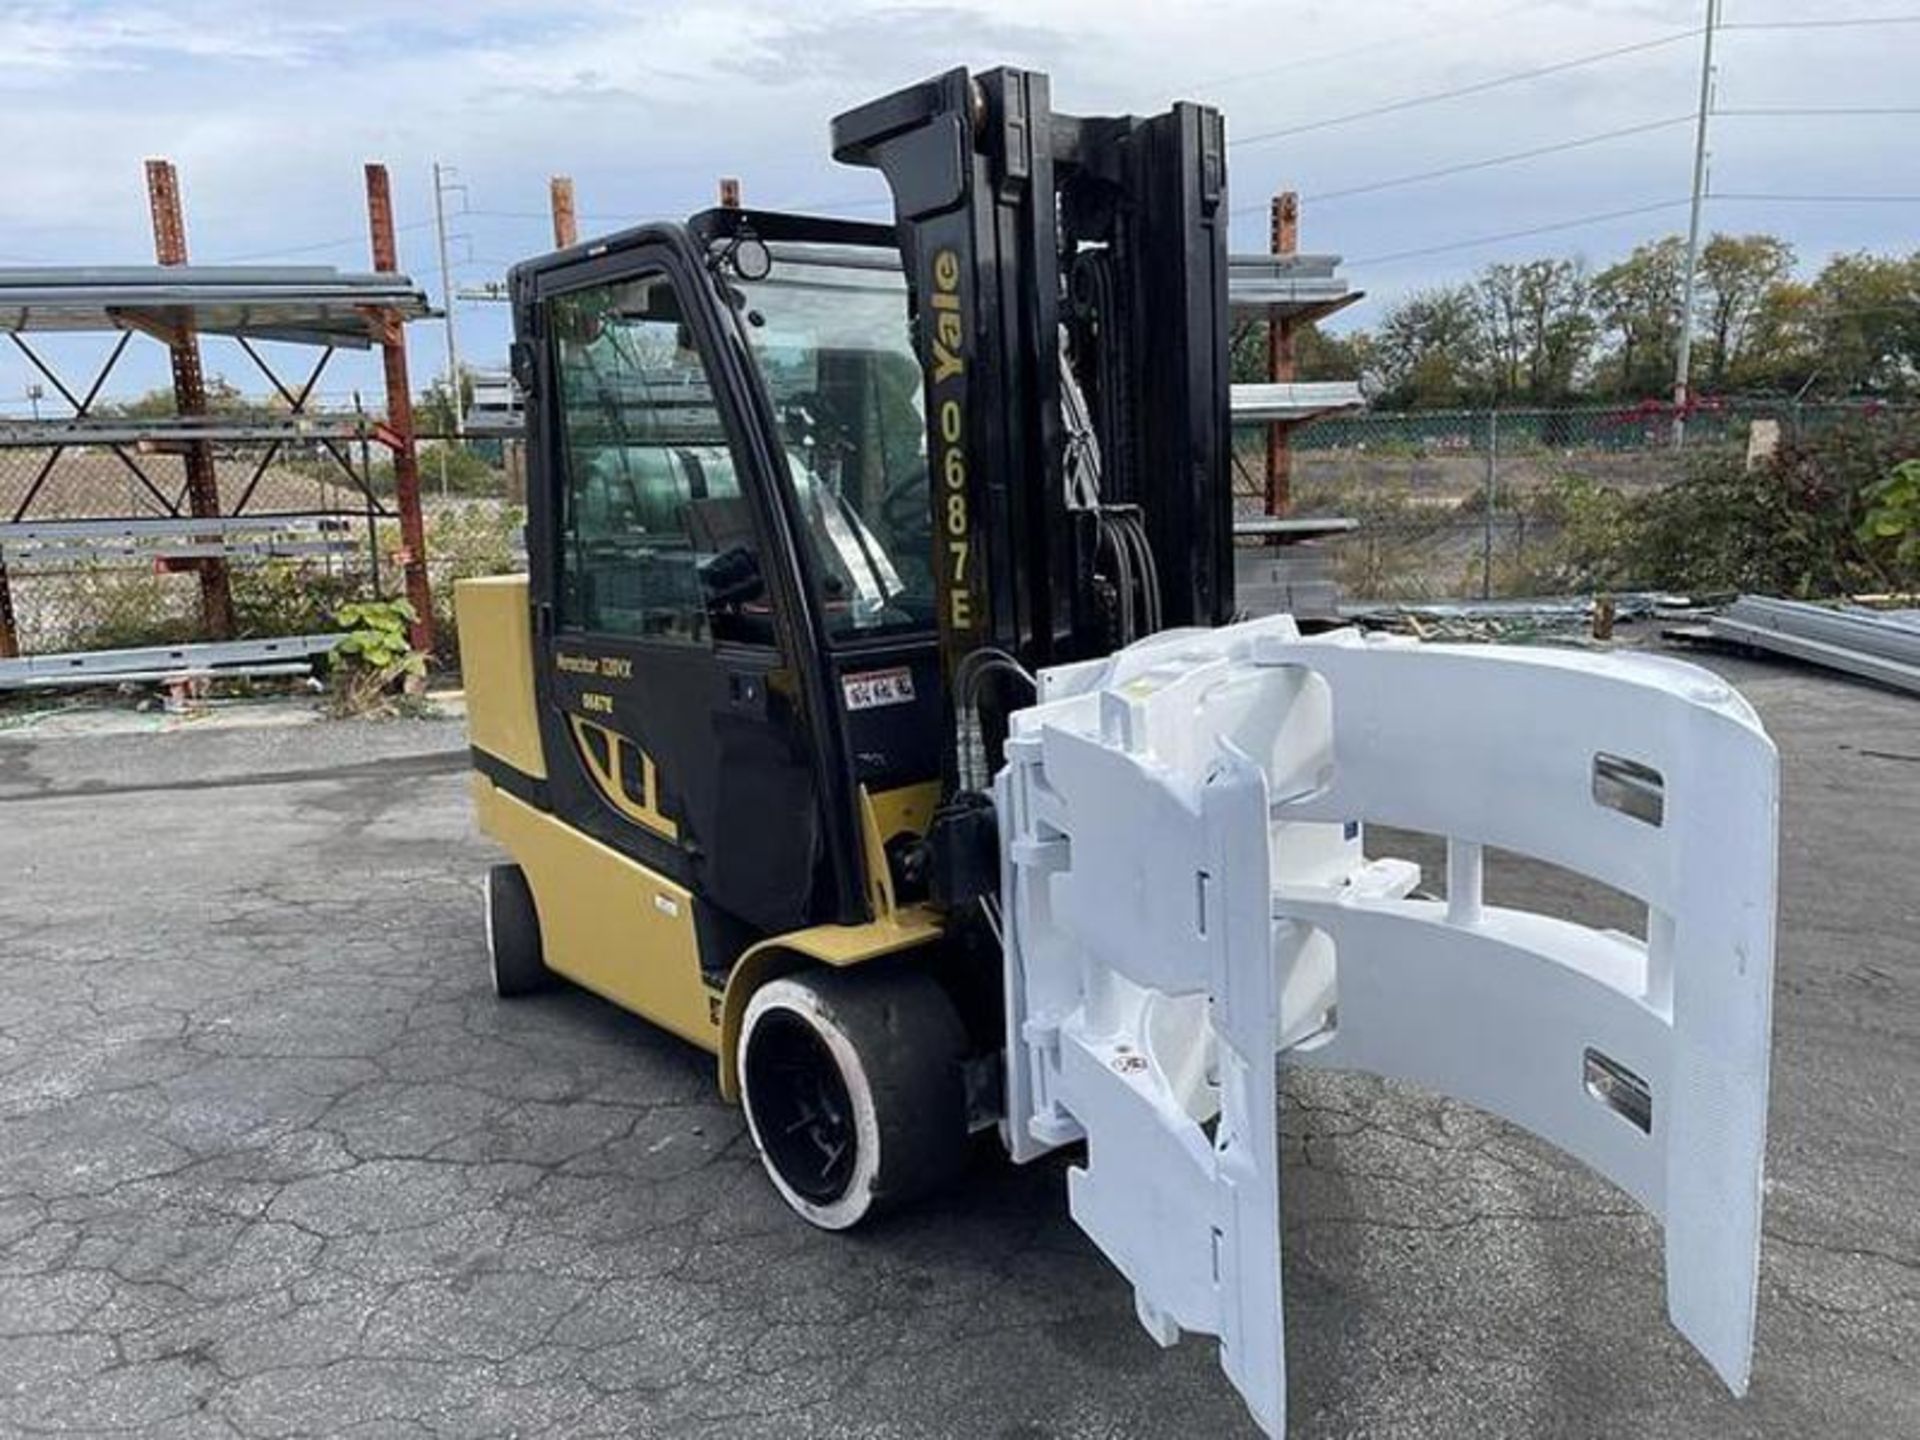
{"x": 274, "y": 1162}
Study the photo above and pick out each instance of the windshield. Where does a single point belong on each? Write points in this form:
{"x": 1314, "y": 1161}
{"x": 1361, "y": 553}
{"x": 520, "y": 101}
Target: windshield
{"x": 831, "y": 333}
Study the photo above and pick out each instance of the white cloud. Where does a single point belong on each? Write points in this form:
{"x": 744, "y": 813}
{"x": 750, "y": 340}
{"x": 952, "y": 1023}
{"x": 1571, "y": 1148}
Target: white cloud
{"x": 270, "y": 109}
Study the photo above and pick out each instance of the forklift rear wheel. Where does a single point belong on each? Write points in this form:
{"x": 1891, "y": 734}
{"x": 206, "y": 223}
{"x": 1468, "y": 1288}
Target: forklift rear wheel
{"x": 513, "y": 934}
{"x": 854, "y": 1090}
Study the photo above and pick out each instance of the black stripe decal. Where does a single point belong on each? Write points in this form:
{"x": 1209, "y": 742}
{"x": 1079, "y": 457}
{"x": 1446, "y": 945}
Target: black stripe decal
{"x": 514, "y": 781}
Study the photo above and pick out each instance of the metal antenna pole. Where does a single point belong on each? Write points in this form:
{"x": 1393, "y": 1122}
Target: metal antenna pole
{"x": 1683, "y": 362}
{"x": 446, "y": 301}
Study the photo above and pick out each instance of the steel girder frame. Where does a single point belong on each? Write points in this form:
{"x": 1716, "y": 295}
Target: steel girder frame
{"x": 82, "y": 404}
{"x": 190, "y": 397}
{"x": 121, "y": 442}
{"x": 406, "y": 464}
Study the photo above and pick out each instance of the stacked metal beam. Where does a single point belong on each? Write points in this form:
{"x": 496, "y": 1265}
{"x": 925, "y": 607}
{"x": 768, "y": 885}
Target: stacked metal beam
{"x": 1875, "y": 644}
{"x": 290, "y": 655}
{"x": 1293, "y": 400}
{"x": 1301, "y": 287}
{"x": 306, "y": 304}
{"x": 1294, "y": 288}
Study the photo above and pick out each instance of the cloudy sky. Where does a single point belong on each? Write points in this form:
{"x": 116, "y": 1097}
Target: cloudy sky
{"x": 269, "y": 111}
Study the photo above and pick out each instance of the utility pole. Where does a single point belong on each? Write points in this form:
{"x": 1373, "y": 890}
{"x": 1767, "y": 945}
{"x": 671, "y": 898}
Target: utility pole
{"x": 1683, "y": 362}
{"x": 446, "y": 303}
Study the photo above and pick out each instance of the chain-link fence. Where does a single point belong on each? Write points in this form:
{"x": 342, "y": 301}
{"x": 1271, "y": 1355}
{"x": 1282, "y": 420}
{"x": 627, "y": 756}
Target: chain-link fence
{"x": 101, "y": 551}
{"x": 1463, "y": 504}
{"x": 1448, "y": 505}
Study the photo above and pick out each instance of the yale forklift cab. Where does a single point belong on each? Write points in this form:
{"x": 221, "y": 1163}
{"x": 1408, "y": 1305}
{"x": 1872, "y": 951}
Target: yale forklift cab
{"x": 870, "y": 716}
{"x": 789, "y": 480}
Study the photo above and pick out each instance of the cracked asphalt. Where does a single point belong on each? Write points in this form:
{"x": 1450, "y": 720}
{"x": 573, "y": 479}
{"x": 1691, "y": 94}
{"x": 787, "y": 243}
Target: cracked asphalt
{"x": 274, "y": 1162}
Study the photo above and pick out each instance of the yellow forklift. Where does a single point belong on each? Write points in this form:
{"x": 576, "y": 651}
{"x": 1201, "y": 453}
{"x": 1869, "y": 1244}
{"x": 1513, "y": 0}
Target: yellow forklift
{"x": 715, "y": 722}
{"x": 841, "y": 537}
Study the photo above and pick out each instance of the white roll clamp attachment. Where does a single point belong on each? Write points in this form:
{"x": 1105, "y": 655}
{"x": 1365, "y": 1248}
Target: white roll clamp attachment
{"x": 1188, "y": 904}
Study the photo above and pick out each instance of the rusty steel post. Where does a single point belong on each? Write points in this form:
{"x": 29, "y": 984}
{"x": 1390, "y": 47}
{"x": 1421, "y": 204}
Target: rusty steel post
{"x": 1283, "y": 239}
{"x": 190, "y": 398}
{"x": 9, "y": 630}
{"x": 729, "y": 193}
{"x": 566, "y": 228}
{"x": 406, "y": 461}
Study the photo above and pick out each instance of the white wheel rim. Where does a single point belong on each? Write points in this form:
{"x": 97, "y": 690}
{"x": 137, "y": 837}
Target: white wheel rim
{"x": 493, "y": 951}
{"x": 857, "y": 1199}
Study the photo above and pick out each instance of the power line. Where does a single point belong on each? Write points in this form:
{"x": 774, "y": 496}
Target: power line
{"x": 544, "y": 215}
{"x": 1412, "y": 102}
{"x": 1595, "y": 218}
{"x": 1298, "y": 62}
{"x": 1815, "y": 111}
{"x": 308, "y": 249}
{"x": 844, "y": 202}
{"x": 1851, "y": 22}
{"x": 1486, "y": 163}
{"x": 1822, "y": 199}
{"x": 1600, "y": 217}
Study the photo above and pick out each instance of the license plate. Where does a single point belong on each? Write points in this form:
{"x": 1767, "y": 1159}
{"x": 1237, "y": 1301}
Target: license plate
{"x": 871, "y": 689}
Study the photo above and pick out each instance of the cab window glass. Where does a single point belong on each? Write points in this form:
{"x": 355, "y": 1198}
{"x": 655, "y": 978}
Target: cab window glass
{"x": 832, "y": 335}
{"x": 656, "y": 541}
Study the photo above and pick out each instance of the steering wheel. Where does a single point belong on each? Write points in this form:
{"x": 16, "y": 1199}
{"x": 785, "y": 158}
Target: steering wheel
{"x": 732, "y": 577}
{"x": 809, "y": 419}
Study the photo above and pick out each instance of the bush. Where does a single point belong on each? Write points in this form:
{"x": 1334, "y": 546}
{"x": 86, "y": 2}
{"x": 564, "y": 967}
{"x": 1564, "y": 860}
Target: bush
{"x": 374, "y": 657}
{"x": 1799, "y": 525}
{"x": 116, "y": 608}
{"x": 1788, "y": 527}
{"x": 1392, "y": 554}
{"x": 463, "y": 541}
{"x": 1891, "y": 529}
{"x": 290, "y": 597}
{"x": 468, "y": 471}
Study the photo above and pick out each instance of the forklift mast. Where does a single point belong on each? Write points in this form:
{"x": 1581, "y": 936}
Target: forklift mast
{"x": 1013, "y": 220}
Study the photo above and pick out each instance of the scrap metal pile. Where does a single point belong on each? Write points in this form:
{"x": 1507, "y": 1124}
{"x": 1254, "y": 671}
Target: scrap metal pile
{"x": 1882, "y": 645}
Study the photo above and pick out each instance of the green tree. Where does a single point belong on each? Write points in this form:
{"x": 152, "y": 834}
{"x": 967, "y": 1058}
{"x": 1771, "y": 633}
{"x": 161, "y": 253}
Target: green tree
{"x": 433, "y": 407}
{"x": 223, "y": 398}
{"x": 1538, "y": 328}
{"x": 1737, "y": 275}
{"x": 1428, "y": 350}
{"x": 1317, "y": 355}
{"x": 1781, "y": 352}
{"x": 1866, "y": 322}
{"x": 1637, "y": 303}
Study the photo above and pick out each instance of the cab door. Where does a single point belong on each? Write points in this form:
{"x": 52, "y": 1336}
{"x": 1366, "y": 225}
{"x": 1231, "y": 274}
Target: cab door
{"x": 669, "y": 714}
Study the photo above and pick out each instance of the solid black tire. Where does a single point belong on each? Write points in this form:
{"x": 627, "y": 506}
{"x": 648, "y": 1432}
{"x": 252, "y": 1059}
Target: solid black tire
{"x": 899, "y": 1047}
{"x": 513, "y": 935}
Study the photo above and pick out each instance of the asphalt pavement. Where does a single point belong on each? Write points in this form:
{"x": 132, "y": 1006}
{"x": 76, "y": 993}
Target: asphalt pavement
{"x": 274, "y": 1162}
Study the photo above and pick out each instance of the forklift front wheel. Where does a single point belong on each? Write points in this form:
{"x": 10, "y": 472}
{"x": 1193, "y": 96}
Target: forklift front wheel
{"x": 513, "y": 934}
{"x": 854, "y": 1090}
